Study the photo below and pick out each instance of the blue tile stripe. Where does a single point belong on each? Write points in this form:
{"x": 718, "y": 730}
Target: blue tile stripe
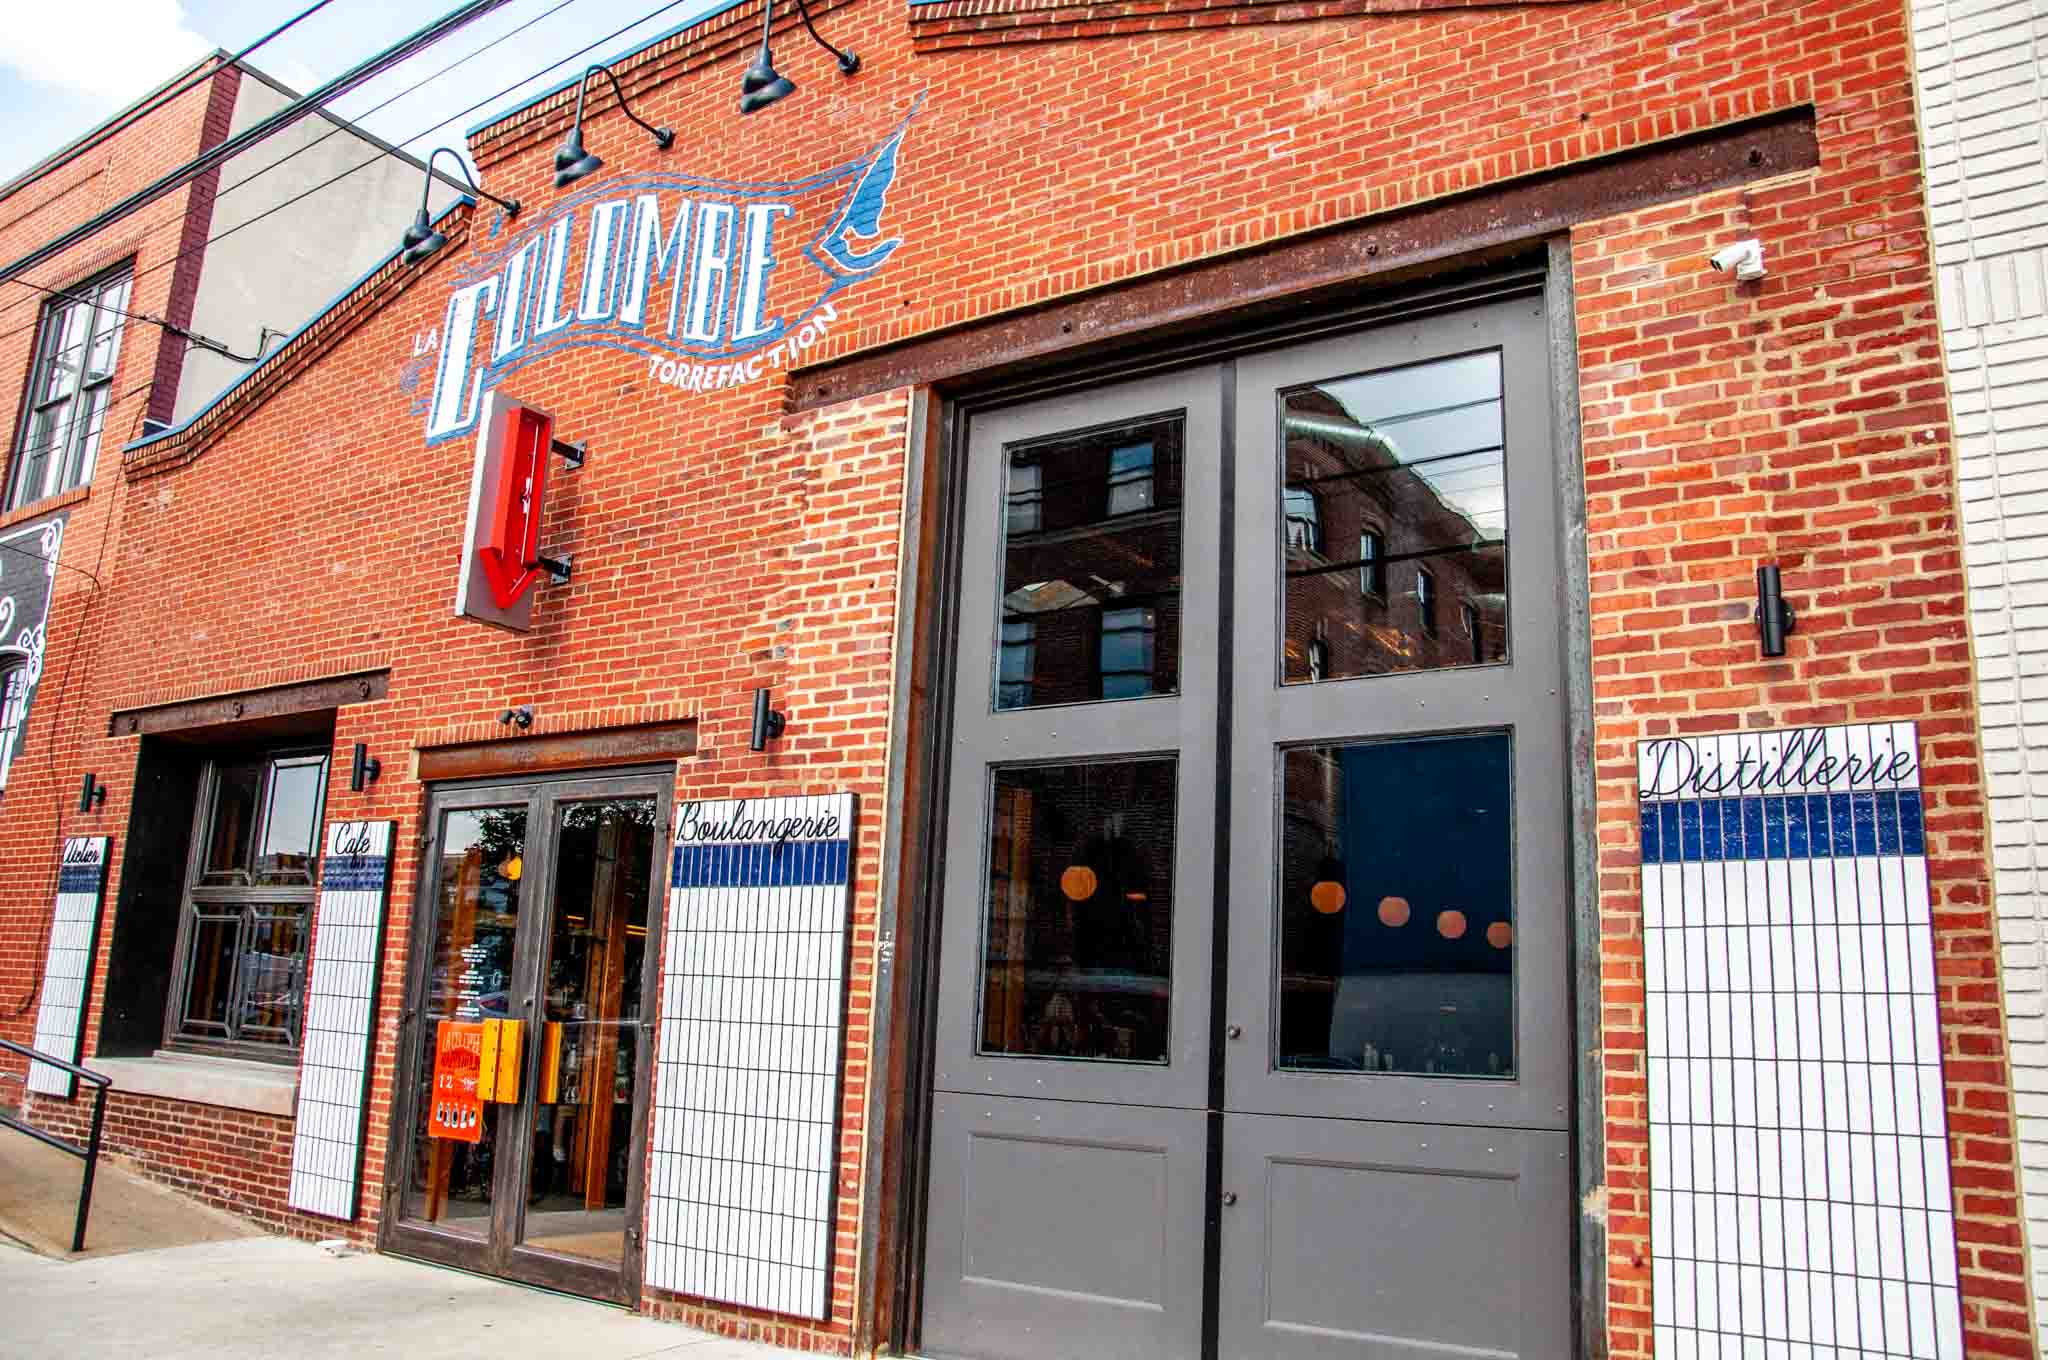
{"x": 354, "y": 873}
{"x": 1783, "y": 826}
{"x": 759, "y": 864}
{"x": 78, "y": 878}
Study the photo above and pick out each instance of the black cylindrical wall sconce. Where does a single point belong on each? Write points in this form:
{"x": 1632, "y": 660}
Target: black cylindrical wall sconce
{"x": 364, "y": 769}
{"x": 1774, "y": 618}
{"x": 768, "y": 723}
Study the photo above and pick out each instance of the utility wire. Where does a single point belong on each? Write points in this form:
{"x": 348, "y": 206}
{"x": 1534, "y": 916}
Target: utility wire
{"x": 230, "y": 147}
{"x": 202, "y": 341}
{"x": 334, "y": 179}
{"x": 134, "y": 116}
{"x": 350, "y": 125}
{"x": 357, "y": 118}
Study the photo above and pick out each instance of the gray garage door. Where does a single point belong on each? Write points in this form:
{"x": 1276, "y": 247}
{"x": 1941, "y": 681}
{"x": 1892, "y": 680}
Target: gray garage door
{"x": 1285, "y": 629}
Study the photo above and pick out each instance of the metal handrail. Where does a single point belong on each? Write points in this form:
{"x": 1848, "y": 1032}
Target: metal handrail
{"x": 91, "y": 1151}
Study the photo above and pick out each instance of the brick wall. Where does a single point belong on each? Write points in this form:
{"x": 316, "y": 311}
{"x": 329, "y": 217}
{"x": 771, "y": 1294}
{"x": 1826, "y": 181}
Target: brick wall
{"x": 236, "y": 1160}
{"x": 40, "y": 802}
{"x": 1799, "y": 420}
{"x": 720, "y": 545}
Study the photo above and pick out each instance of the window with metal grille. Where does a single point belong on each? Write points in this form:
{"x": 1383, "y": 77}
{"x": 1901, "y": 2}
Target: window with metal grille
{"x": 241, "y": 971}
{"x": 70, "y": 388}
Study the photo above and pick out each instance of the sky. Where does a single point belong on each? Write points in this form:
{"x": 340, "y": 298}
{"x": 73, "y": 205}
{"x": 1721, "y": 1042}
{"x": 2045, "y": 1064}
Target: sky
{"x": 55, "y": 85}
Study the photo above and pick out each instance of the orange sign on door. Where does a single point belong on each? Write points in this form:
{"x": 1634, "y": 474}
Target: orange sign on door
{"x": 457, "y": 1109}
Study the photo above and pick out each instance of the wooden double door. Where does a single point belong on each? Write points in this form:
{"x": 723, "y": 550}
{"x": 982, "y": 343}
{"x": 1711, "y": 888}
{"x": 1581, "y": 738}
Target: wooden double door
{"x": 519, "y": 1132}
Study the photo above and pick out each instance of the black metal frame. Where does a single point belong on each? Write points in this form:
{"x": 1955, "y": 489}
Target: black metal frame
{"x": 502, "y": 1253}
{"x": 90, "y": 1153}
{"x": 305, "y": 896}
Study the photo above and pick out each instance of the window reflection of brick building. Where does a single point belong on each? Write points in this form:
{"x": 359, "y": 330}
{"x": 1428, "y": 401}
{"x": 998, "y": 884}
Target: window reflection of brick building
{"x": 1091, "y": 578}
{"x": 1079, "y": 923}
{"x": 1389, "y": 567}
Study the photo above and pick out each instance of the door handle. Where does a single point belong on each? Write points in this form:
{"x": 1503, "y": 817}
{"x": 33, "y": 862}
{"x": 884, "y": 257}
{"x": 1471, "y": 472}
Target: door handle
{"x": 1229, "y": 1198}
{"x": 1233, "y": 1031}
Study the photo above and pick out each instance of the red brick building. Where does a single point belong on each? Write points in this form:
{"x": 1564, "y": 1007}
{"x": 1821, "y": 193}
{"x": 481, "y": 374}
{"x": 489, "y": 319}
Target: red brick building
{"x": 1247, "y": 946}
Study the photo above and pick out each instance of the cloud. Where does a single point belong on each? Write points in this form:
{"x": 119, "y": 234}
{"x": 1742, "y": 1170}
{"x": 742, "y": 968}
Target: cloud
{"x": 133, "y": 46}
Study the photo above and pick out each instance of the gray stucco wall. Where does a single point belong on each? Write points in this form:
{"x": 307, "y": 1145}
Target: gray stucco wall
{"x": 284, "y": 268}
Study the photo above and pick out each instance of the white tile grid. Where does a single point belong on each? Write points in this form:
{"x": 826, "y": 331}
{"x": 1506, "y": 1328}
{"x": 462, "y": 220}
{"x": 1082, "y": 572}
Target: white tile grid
{"x": 1799, "y": 1202}
{"x": 747, "y": 1091}
{"x": 348, "y": 927}
{"x": 74, "y": 931}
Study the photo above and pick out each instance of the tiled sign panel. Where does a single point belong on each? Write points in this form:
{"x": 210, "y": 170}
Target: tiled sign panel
{"x": 1799, "y": 1187}
{"x": 341, "y": 1000}
{"x": 747, "y": 1095}
{"x": 74, "y": 933}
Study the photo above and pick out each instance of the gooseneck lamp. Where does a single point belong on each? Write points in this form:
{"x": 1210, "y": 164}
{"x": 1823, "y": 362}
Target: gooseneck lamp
{"x": 572, "y": 162}
{"x": 421, "y": 240}
{"x": 761, "y": 85}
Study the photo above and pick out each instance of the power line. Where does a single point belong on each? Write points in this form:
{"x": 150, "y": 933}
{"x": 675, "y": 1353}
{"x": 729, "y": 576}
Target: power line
{"x": 356, "y": 119}
{"x": 204, "y": 342}
{"x": 350, "y": 125}
{"x": 136, "y": 115}
{"x": 242, "y": 141}
{"x": 335, "y": 179}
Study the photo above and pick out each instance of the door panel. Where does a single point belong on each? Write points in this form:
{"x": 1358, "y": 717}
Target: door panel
{"x": 478, "y": 900}
{"x": 1067, "y": 573}
{"x": 588, "y": 1060}
{"x": 1373, "y": 1241}
{"x": 1410, "y": 455}
{"x": 1058, "y": 1228}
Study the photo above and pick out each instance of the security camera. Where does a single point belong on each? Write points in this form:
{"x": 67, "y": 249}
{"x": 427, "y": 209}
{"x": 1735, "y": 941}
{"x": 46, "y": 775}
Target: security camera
{"x": 1745, "y": 258}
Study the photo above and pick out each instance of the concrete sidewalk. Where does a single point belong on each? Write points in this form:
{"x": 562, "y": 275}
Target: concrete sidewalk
{"x": 39, "y": 1205}
{"x": 271, "y": 1297}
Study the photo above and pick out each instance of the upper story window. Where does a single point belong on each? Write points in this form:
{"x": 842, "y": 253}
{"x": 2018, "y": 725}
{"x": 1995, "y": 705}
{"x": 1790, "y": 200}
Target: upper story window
{"x": 1128, "y": 651}
{"x": 1130, "y": 479}
{"x": 1304, "y": 520}
{"x": 1425, "y": 601}
{"x": 1372, "y": 566}
{"x": 70, "y": 386}
{"x": 1024, "y": 506}
{"x": 242, "y": 933}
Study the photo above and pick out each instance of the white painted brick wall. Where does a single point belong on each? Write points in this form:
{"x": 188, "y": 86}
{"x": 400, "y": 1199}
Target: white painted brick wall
{"x": 1984, "y": 108}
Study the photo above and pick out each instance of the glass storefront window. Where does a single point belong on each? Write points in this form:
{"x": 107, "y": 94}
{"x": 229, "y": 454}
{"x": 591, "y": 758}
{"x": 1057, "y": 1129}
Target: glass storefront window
{"x": 1091, "y": 566}
{"x": 1396, "y": 907}
{"x": 1407, "y": 463}
{"x": 1078, "y": 928}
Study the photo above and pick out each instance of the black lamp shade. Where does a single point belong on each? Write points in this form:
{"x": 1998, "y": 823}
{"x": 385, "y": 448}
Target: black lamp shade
{"x": 572, "y": 162}
{"x": 419, "y": 231}
{"x": 761, "y": 86}
{"x": 425, "y": 246}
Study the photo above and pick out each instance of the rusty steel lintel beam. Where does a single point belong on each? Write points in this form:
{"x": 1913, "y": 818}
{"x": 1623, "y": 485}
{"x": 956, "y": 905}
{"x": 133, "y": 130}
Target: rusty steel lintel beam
{"x": 1397, "y": 245}
{"x": 560, "y": 751}
{"x": 276, "y": 701}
